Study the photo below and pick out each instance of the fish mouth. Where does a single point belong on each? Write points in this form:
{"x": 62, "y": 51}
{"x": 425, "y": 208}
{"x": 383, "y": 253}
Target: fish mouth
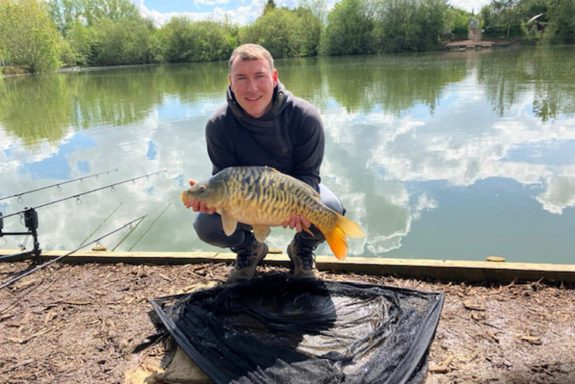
{"x": 186, "y": 199}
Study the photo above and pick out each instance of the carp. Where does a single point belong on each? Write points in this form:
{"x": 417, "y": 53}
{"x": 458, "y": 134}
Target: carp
{"x": 263, "y": 197}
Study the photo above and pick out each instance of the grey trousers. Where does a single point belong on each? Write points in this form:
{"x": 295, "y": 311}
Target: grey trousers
{"x": 210, "y": 230}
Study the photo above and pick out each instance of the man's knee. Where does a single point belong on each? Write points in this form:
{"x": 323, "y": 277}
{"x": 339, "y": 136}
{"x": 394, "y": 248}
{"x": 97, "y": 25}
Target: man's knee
{"x": 330, "y": 199}
{"x": 207, "y": 227}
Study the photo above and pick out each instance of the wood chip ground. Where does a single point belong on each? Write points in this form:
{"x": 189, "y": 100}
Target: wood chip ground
{"x": 80, "y": 323}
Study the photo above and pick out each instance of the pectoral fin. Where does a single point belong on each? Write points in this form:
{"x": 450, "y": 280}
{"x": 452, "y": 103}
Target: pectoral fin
{"x": 229, "y": 223}
{"x": 261, "y": 232}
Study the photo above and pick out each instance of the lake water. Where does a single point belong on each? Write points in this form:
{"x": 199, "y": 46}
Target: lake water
{"x": 450, "y": 155}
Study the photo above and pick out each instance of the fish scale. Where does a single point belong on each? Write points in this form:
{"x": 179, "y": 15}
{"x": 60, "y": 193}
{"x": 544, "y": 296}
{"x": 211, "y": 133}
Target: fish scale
{"x": 263, "y": 197}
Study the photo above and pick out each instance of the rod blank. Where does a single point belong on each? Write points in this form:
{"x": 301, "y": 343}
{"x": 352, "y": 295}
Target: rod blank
{"x": 55, "y": 185}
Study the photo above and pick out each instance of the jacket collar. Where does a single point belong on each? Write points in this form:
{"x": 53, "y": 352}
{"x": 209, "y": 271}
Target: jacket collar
{"x": 279, "y": 102}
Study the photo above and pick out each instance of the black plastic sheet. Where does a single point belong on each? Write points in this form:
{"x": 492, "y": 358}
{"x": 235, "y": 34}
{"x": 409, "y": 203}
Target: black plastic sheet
{"x": 275, "y": 330}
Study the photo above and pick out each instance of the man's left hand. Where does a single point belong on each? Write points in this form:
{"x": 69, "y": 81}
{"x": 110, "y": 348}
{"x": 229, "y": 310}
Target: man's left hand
{"x": 297, "y": 222}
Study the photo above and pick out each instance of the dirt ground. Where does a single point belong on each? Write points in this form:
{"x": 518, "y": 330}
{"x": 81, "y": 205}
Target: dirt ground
{"x": 79, "y": 324}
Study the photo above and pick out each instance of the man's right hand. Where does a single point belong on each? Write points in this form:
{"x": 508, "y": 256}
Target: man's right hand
{"x": 199, "y": 206}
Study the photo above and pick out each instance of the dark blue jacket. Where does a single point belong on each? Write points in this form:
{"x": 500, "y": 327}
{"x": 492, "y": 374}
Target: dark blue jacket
{"x": 289, "y": 137}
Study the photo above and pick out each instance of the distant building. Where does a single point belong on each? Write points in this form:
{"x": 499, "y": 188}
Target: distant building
{"x": 474, "y": 32}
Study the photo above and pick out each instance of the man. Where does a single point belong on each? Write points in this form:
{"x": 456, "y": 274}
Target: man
{"x": 264, "y": 124}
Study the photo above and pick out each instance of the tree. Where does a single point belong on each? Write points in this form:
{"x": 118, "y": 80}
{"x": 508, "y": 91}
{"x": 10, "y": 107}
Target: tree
{"x": 349, "y": 29}
{"x": 534, "y": 18}
{"x": 285, "y": 33}
{"x": 308, "y": 31}
{"x": 275, "y": 31}
{"x": 187, "y": 41}
{"x": 502, "y": 18}
{"x": 409, "y": 25}
{"x": 80, "y": 40}
{"x": 104, "y": 32}
{"x": 28, "y": 37}
{"x": 317, "y": 7}
{"x": 120, "y": 43}
{"x": 457, "y": 21}
{"x": 67, "y": 13}
{"x": 270, "y": 6}
{"x": 562, "y": 21}
{"x": 175, "y": 37}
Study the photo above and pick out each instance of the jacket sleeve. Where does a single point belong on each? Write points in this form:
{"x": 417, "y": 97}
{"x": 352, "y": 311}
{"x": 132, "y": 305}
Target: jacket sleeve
{"x": 220, "y": 148}
{"x": 309, "y": 145}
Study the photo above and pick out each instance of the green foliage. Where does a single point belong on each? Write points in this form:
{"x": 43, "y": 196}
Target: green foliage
{"x": 502, "y": 18}
{"x": 308, "y": 32}
{"x": 270, "y": 6}
{"x": 561, "y": 21}
{"x": 457, "y": 22}
{"x": 349, "y": 29}
{"x": 86, "y": 24}
{"x": 67, "y": 13}
{"x": 533, "y": 29}
{"x": 530, "y": 8}
{"x": 510, "y": 18}
{"x": 28, "y": 37}
{"x": 111, "y": 32}
{"x": 188, "y": 41}
{"x": 79, "y": 39}
{"x": 317, "y": 7}
{"x": 120, "y": 43}
{"x": 285, "y": 33}
{"x": 409, "y": 25}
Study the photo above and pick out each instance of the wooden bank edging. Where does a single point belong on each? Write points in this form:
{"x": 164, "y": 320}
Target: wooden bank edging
{"x": 445, "y": 270}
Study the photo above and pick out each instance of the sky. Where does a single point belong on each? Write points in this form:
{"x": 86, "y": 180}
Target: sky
{"x": 238, "y": 11}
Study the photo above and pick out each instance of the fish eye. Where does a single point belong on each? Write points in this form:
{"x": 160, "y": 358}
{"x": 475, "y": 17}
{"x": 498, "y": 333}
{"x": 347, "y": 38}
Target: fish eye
{"x": 202, "y": 188}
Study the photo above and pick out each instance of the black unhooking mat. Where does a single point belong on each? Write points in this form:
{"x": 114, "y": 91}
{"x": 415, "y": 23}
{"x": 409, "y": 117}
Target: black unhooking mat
{"x": 275, "y": 330}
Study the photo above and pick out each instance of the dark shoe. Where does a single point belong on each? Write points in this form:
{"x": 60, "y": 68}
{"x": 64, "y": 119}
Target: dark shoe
{"x": 302, "y": 260}
{"x": 247, "y": 259}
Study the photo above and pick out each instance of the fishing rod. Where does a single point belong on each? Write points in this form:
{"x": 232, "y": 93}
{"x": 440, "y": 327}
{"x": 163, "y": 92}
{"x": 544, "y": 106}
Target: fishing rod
{"x": 126, "y": 236}
{"x": 57, "y": 185}
{"x": 77, "y": 196}
{"x": 31, "y": 271}
{"x": 103, "y": 222}
{"x": 150, "y": 227}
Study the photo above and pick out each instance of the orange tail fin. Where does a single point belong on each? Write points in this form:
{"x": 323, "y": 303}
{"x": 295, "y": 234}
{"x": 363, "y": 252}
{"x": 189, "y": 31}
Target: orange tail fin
{"x": 336, "y": 238}
{"x": 337, "y": 242}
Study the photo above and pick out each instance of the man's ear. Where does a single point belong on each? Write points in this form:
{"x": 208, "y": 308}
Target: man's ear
{"x": 230, "y": 78}
{"x": 275, "y": 77}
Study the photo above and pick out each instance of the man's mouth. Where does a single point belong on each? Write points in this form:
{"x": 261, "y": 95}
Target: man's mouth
{"x": 254, "y": 98}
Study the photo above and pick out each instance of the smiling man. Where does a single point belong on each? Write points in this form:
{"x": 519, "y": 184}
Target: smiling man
{"x": 253, "y": 83}
{"x": 264, "y": 124}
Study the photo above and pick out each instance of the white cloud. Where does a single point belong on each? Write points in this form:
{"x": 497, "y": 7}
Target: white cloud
{"x": 211, "y": 2}
{"x": 243, "y": 14}
{"x": 247, "y": 11}
{"x": 470, "y": 5}
{"x": 560, "y": 192}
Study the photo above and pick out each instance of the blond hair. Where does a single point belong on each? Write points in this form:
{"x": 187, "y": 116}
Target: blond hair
{"x": 251, "y": 52}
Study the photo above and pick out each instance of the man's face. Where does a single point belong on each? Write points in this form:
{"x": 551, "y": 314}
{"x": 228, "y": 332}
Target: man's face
{"x": 253, "y": 83}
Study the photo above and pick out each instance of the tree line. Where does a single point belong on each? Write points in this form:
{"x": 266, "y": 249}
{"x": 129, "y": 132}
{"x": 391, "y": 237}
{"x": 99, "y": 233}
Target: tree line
{"x": 40, "y": 35}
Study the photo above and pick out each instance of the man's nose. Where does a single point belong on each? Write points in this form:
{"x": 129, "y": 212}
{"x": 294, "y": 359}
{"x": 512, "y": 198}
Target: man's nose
{"x": 252, "y": 85}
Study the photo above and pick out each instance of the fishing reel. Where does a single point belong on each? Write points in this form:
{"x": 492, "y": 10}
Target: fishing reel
{"x": 31, "y": 219}
{"x": 31, "y": 223}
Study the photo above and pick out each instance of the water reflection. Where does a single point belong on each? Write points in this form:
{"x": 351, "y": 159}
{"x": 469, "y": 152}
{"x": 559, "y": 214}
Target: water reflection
{"x": 541, "y": 74}
{"x": 444, "y": 155}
